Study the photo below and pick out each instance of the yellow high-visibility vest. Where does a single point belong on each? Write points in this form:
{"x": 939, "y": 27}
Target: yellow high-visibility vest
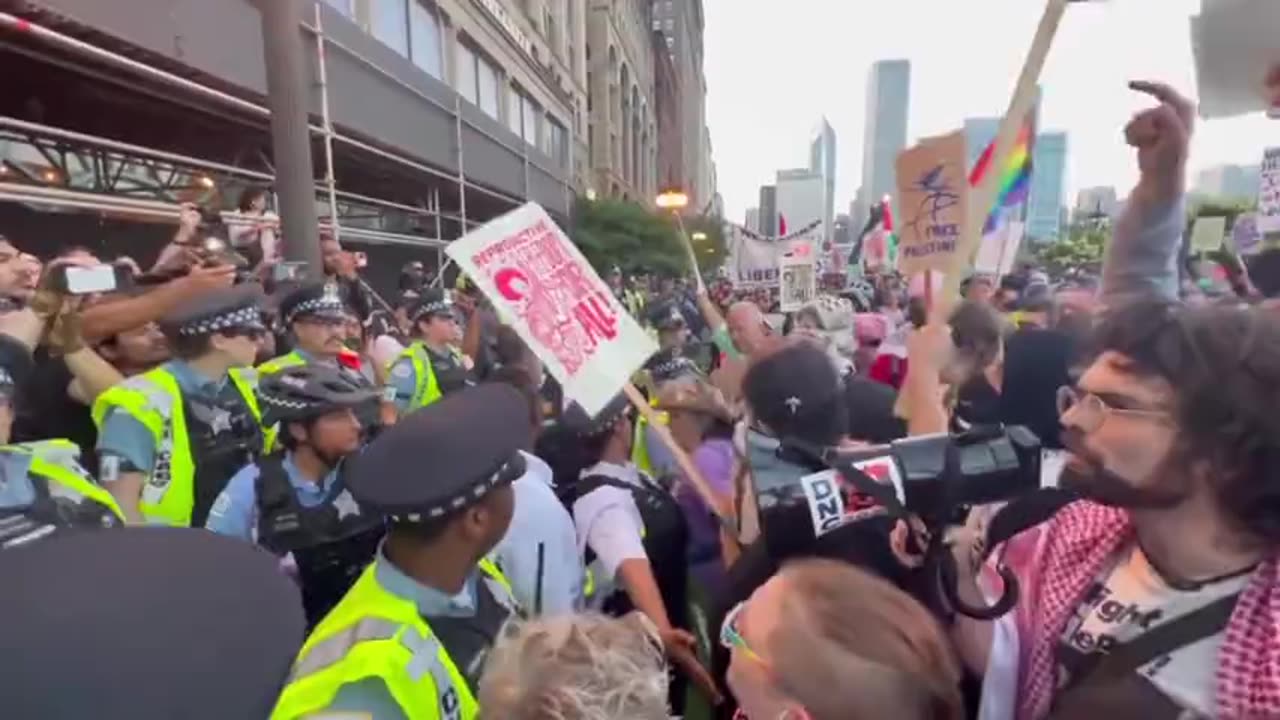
{"x": 373, "y": 633}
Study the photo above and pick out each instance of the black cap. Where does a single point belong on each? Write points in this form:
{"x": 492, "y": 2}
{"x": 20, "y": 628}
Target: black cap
{"x": 238, "y": 307}
{"x": 146, "y": 622}
{"x": 434, "y": 301}
{"x": 668, "y": 365}
{"x": 317, "y": 299}
{"x": 445, "y": 457}
{"x": 796, "y": 392}
{"x": 576, "y": 421}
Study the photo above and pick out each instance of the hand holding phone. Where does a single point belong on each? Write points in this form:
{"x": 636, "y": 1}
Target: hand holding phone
{"x": 86, "y": 280}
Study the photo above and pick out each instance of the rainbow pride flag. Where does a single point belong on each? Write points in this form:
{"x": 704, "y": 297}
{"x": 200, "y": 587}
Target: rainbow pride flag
{"x": 1015, "y": 181}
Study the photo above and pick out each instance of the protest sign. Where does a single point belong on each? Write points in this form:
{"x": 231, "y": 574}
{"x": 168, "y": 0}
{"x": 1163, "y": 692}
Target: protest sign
{"x": 999, "y": 249}
{"x": 933, "y": 192}
{"x": 1269, "y": 193}
{"x": 1208, "y": 233}
{"x": 542, "y": 286}
{"x": 753, "y": 261}
{"x": 1245, "y": 238}
{"x": 799, "y": 281}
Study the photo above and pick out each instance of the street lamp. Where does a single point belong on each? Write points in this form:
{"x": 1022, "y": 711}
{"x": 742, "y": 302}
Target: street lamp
{"x": 673, "y": 199}
{"x": 698, "y": 236}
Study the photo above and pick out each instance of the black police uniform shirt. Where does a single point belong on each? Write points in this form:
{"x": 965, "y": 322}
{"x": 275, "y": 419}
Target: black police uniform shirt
{"x": 451, "y": 374}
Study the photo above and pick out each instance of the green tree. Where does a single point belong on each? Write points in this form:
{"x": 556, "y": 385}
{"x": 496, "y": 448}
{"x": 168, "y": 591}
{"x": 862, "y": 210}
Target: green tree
{"x": 1081, "y": 250}
{"x": 617, "y": 233}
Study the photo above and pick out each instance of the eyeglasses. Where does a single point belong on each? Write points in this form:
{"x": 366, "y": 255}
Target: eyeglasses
{"x": 1092, "y": 411}
{"x": 731, "y": 639}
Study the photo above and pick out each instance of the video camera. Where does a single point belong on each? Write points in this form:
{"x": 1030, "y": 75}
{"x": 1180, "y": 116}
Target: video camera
{"x": 935, "y": 478}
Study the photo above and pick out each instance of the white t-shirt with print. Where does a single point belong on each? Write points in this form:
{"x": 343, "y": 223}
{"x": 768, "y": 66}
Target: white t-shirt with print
{"x": 1131, "y": 598}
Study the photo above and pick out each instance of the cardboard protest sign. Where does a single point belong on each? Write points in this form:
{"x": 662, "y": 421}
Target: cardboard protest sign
{"x": 1269, "y": 193}
{"x": 1208, "y": 233}
{"x": 933, "y": 192}
{"x": 799, "y": 281}
{"x": 542, "y": 286}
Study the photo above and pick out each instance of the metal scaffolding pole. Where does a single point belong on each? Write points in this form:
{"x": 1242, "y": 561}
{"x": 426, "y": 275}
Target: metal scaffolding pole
{"x": 327, "y": 126}
{"x": 287, "y": 98}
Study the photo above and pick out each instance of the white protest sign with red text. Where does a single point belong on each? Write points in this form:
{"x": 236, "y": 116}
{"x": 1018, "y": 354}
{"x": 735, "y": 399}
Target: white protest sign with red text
{"x": 542, "y": 286}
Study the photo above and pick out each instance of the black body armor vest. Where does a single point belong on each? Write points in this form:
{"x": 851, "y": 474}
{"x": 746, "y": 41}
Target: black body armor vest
{"x": 224, "y": 437}
{"x": 331, "y": 543}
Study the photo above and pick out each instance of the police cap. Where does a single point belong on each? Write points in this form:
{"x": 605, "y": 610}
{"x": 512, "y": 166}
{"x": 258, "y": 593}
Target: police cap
{"x": 668, "y": 365}
{"x": 441, "y": 459}
{"x": 576, "y": 421}
{"x": 433, "y": 301}
{"x": 233, "y": 308}
{"x": 666, "y": 317}
{"x": 146, "y": 622}
{"x": 322, "y": 300}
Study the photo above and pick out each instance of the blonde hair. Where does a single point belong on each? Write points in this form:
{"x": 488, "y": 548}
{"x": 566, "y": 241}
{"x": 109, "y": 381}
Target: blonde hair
{"x": 575, "y": 667}
{"x": 859, "y": 647}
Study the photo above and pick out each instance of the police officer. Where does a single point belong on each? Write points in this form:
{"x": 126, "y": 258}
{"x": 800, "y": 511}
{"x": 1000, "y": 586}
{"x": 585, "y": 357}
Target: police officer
{"x": 670, "y": 326}
{"x": 648, "y": 452}
{"x": 169, "y": 439}
{"x": 294, "y": 502}
{"x": 316, "y": 318}
{"x": 43, "y": 488}
{"x": 432, "y": 366}
{"x": 145, "y": 622}
{"x": 409, "y": 639}
{"x": 632, "y": 532}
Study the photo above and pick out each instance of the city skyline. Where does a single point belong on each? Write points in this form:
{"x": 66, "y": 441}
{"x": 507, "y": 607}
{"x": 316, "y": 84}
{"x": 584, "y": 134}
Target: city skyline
{"x": 960, "y": 69}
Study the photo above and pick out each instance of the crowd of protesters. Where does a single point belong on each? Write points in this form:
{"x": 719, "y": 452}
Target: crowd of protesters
{"x": 440, "y": 533}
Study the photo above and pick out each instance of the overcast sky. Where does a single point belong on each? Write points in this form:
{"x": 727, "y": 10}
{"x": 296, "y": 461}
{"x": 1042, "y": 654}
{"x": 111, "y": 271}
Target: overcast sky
{"x": 775, "y": 67}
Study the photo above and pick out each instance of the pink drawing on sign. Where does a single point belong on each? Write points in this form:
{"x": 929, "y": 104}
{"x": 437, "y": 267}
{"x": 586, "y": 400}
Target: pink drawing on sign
{"x": 564, "y": 308}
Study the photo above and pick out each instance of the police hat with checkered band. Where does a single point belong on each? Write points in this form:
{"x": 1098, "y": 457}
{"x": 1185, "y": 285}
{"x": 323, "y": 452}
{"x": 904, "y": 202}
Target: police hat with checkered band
{"x": 576, "y": 421}
{"x": 223, "y": 310}
{"x": 318, "y": 300}
{"x": 107, "y": 625}
{"x": 434, "y": 302}
{"x": 668, "y": 365}
{"x": 442, "y": 459}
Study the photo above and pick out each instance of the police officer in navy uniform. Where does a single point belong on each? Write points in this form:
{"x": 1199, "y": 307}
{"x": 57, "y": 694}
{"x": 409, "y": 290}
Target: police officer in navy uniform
{"x": 432, "y": 366}
{"x": 316, "y": 318}
{"x": 170, "y": 438}
{"x": 294, "y": 502}
{"x": 410, "y": 637}
{"x": 145, "y": 622}
{"x": 632, "y": 531}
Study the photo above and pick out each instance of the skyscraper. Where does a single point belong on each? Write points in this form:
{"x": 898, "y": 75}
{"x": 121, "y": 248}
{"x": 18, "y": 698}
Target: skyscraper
{"x": 768, "y": 210}
{"x": 1048, "y": 185}
{"x": 888, "y": 101}
{"x": 799, "y": 199}
{"x": 978, "y": 134}
{"x": 822, "y": 160}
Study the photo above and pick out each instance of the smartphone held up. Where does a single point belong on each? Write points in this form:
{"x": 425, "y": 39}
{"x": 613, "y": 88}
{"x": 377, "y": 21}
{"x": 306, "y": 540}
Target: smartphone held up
{"x": 91, "y": 279}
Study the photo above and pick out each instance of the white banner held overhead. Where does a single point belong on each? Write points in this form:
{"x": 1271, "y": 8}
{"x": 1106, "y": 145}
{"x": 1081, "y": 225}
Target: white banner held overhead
{"x": 542, "y": 286}
{"x": 999, "y": 249}
{"x": 753, "y": 259}
{"x": 1269, "y": 193}
{"x": 799, "y": 277}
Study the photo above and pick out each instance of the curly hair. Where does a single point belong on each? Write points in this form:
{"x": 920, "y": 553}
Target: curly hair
{"x": 1222, "y": 363}
{"x": 575, "y": 667}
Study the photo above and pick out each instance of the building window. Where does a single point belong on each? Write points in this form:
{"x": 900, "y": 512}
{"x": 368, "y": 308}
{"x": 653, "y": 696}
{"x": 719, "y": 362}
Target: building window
{"x": 389, "y": 22}
{"x": 487, "y": 86}
{"x": 424, "y": 38}
{"x": 556, "y": 140}
{"x": 515, "y": 110}
{"x": 346, "y": 7}
{"x": 464, "y": 73}
{"x": 531, "y": 115}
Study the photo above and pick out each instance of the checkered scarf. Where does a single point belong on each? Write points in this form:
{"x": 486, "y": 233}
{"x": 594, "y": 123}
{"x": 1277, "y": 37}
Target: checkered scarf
{"x": 1070, "y": 551}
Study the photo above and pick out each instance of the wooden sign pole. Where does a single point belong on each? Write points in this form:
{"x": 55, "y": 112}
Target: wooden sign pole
{"x": 691, "y": 472}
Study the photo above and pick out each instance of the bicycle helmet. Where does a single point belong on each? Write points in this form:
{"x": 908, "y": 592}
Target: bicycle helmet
{"x": 307, "y": 391}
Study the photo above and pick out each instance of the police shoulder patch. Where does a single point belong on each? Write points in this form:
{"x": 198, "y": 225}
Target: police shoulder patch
{"x": 402, "y": 370}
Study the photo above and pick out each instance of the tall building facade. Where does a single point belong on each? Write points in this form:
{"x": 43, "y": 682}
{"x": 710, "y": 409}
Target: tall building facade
{"x": 667, "y": 99}
{"x": 1096, "y": 202}
{"x": 623, "y": 129}
{"x": 822, "y": 160}
{"x": 682, "y": 24}
{"x": 752, "y": 220}
{"x": 800, "y": 199}
{"x": 1234, "y": 182}
{"x": 978, "y": 134}
{"x": 888, "y": 109}
{"x": 1048, "y": 187}
{"x": 768, "y": 210}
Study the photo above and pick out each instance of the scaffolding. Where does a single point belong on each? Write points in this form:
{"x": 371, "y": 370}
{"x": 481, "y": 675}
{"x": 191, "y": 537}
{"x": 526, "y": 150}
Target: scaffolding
{"x": 111, "y": 160}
